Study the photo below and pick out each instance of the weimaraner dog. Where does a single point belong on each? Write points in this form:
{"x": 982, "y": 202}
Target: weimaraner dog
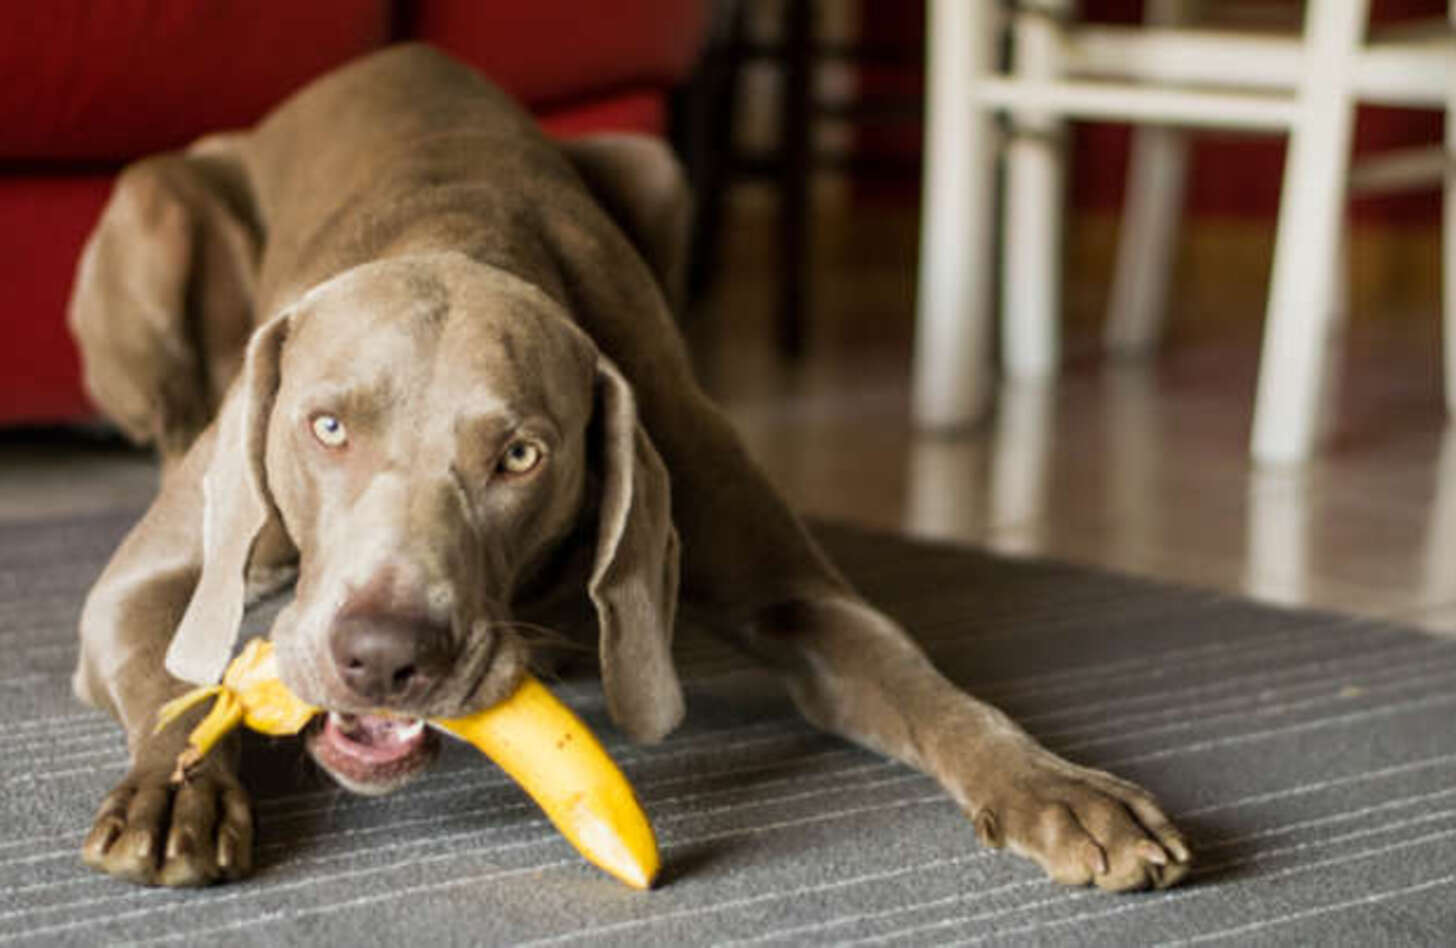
{"x": 399, "y": 349}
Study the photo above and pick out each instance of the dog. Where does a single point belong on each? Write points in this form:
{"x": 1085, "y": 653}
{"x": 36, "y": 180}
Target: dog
{"x": 397, "y": 348}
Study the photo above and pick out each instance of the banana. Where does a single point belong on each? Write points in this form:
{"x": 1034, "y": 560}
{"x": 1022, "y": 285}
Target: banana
{"x": 546, "y": 749}
{"x": 250, "y": 694}
{"x": 531, "y": 735}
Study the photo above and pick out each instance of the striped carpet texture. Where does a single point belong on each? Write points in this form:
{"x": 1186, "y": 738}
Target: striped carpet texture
{"x": 1311, "y": 758}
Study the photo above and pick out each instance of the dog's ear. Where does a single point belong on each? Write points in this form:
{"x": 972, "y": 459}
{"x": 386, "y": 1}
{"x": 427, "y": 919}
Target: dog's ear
{"x": 237, "y": 507}
{"x": 634, "y": 578}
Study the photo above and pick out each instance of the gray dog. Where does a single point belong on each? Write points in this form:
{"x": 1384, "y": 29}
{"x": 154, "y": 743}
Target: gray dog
{"x": 396, "y": 347}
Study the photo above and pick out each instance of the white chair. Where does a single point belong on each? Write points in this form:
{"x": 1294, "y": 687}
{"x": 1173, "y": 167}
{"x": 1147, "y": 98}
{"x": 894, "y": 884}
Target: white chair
{"x": 1164, "y": 76}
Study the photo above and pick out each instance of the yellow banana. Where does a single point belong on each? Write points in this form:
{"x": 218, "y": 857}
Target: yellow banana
{"x": 531, "y": 735}
{"x": 250, "y": 694}
{"x": 546, "y": 749}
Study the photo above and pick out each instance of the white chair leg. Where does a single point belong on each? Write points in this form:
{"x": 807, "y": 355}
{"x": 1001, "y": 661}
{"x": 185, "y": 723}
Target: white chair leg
{"x": 1278, "y": 537}
{"x": 952, "y": 370}
{"x": 1032, "y": 254}
{"x": 1311, "y": 207}
{"x": 1147, "y": 242}
{"x": 1020, "y": 468}
{"x": 1132, "y": 459}
{"x": 1440, "y": 576}
{"x": 945, "y": 481}
{"x": 1327, "y": 396}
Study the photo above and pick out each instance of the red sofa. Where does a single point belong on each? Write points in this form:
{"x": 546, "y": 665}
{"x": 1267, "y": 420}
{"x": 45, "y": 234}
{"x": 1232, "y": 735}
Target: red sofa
{"x": 87, "y": 86}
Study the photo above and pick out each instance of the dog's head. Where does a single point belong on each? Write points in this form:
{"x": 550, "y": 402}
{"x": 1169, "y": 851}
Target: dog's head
{"x": 428, "y": 433}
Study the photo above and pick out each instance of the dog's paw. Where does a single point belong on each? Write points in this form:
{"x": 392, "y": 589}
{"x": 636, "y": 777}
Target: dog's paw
{"x": 1081, "y": 825}
{"x": 153, "y": 832}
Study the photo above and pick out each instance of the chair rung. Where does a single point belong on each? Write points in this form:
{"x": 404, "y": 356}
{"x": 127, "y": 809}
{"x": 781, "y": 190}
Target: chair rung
{"x": 1415, "y": 71}
{"x": 1407, "y": 169}
{"x": 1138, "y": 103}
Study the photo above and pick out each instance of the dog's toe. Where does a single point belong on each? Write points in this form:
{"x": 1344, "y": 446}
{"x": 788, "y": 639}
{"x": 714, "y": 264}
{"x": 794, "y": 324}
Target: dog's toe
{"x": 153, "y": 832}
{"x": 235, "y": 835}
{"x": 190, "y": 857}
{"x": 1085, "y": 827}
{"x": 107, "y": 829}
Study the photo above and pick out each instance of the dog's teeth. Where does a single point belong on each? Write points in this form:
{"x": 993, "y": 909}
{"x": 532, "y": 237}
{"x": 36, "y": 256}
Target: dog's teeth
{"x": 411, "y": 730}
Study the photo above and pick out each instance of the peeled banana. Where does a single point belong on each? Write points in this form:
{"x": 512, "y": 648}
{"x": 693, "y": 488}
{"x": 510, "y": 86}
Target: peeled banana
{"x": 531, "y": 735}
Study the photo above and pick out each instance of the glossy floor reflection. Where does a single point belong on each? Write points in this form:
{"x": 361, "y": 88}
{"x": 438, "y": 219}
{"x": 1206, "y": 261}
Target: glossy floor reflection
{"x": 1109, "y": 468}
{"x": 1140, "y": 467}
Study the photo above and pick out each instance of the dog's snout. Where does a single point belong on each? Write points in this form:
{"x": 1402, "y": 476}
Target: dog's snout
{"x": 390, "y": 659}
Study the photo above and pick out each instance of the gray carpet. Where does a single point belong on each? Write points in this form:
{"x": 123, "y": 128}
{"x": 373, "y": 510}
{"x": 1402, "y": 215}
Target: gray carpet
{"x": 1310, "y": 757}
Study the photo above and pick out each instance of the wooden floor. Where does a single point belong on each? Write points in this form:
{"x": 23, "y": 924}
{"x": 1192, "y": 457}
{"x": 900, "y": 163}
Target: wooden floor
{"x": 1139, "y": 467}
{"x": 1135, "y": 466}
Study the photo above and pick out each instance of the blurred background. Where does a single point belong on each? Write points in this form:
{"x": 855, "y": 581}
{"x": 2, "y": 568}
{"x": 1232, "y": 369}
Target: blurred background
{"x": 801, "y": 124}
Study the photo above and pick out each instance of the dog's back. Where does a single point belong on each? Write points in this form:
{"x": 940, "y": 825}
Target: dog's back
{"x": 405, "y": 151}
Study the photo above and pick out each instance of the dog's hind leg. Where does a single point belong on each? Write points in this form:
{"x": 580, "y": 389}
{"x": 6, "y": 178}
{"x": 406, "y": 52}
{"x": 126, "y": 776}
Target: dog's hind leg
{"x": 162, "y": 303}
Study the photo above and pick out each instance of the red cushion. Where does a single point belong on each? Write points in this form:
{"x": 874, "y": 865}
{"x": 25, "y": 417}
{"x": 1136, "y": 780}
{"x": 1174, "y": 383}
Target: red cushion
{"x": 640, "y": 111}
{"x": 46, "y": 223}
{"x": 112, "y": 79}
{"x": 545, "y": 51}
{"x": 104, "y": 82}
{"x": 47, "y": 220}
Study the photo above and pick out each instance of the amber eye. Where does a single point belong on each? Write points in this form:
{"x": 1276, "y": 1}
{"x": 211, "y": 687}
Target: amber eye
{"x": 329, "y": 430}
{"x": 520, "y": 457}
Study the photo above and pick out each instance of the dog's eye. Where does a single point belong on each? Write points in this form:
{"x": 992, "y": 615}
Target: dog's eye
{"x": 329, "y": 430}
{"x": 520, "y": 457}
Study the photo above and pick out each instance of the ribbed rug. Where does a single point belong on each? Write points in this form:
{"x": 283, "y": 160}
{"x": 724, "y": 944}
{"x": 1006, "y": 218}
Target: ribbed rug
{"x": 1310, "y": 757}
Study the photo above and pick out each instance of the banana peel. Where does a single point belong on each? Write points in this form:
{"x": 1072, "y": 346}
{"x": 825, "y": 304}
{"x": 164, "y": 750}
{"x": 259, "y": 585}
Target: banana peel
{"x": 251, "y": 693}
{"x": 531, "y": 735}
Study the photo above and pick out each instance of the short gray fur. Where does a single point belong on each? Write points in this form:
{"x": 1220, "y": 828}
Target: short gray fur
{"x": 1310, "y": 757}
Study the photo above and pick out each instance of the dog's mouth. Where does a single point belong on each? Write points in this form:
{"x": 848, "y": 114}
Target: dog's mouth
{"x": 372, "y": 753}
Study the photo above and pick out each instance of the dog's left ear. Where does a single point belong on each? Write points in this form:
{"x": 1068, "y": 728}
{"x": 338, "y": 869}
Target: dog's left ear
{"x": 237, "y": 510}
{"x": 635, "y": 575}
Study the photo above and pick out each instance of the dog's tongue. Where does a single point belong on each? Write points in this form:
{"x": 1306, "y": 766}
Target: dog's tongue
{"x": 375, "y": 736}
{"x": 371, "y": 752}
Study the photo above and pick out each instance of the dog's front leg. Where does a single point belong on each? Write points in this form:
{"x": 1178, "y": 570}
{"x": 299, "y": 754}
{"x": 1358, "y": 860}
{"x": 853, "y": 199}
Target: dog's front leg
{"x": 154, "y": 832}
{"x": 854, "y": 672}
{"x": 755, "y": 575}
{"x": 148, "y": 830}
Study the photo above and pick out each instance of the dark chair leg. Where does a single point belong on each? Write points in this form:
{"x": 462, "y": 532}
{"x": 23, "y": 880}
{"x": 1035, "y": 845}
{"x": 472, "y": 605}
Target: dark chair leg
{"x": 707, "y": 114}
{"x": 795, "y": 168}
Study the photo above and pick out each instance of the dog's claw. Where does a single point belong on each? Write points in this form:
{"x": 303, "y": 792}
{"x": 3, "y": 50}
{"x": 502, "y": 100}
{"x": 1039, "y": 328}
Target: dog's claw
{"x": 227, "y": 853}
{"x": 1152, "y": 852}
{"x": 99, "y": 840}
{"x": 235, "y": 839}
{"x": 180, "y": 844}
{"x": 152, "y": 832}
{"x": 1084, "y": 826}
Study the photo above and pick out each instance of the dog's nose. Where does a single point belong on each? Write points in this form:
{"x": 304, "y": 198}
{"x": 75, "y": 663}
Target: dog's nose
{"x": 388, "y": 659}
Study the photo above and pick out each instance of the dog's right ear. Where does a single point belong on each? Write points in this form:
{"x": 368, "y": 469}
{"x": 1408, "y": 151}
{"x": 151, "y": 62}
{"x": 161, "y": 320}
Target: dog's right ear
{"x": 237, "y": 506}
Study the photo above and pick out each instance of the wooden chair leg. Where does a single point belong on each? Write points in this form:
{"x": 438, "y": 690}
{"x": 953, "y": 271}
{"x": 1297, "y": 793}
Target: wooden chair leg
{"x": 1035, "y": 158}
{"x": 795, "y": 171}
{"x": 1301, "y": 295}
{"x": 707, "y": 118}
{"x": 1148, "y": 238}
{"x": 952, "y": 370}
{"x": 1148, "y": 242}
